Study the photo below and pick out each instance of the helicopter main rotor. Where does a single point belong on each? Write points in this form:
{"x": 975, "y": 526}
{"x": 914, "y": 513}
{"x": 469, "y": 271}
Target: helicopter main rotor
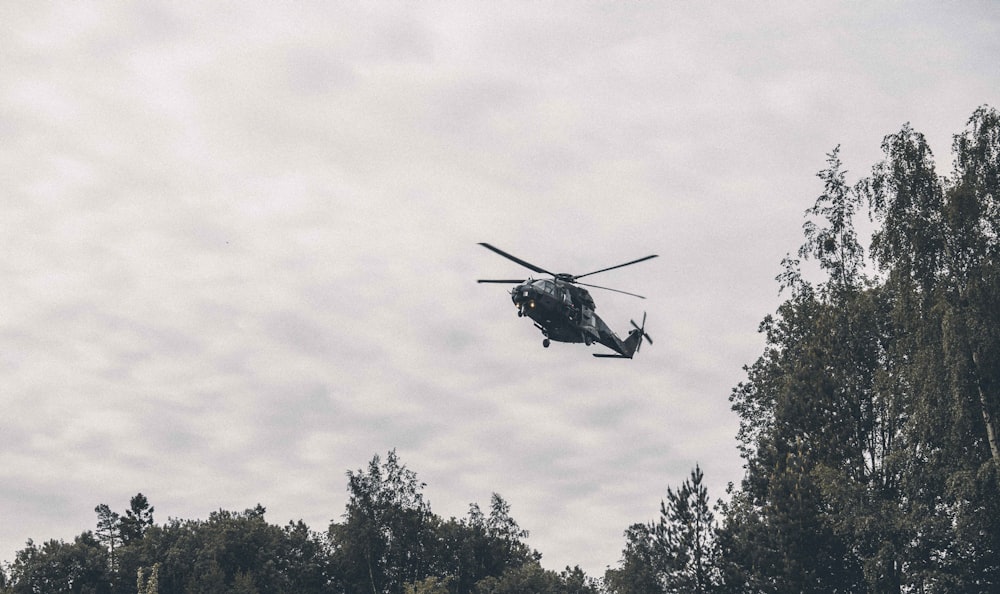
{"x": 562, "y": 276}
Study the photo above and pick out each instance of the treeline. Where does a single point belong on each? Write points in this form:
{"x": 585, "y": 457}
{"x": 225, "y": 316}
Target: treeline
{"x": 389, "y": 541}
{"x": 869, "y": 429}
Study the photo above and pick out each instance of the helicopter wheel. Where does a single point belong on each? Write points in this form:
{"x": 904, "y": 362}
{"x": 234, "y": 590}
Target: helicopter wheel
{"x": 546, "y": 343}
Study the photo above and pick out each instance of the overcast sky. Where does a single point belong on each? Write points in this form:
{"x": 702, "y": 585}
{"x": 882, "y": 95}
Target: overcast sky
{"x": 239, "y": 241}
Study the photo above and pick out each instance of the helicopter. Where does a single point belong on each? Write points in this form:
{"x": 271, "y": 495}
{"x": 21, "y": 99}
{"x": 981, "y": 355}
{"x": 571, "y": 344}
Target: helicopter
{"x": 564, "y": 311}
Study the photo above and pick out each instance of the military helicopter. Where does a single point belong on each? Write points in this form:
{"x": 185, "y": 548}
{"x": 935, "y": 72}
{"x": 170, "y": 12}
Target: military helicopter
{"x": 564, "y": 311}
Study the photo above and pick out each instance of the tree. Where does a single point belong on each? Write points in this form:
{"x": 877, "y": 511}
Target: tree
{"x": 231, "y": 552}
{"x": 813, "y": 427}
{"x": 109, "y": 533}
{"x": 479, "y": 546}
{"x": 431, "y": 585}
{"x": 972, "y": 254}
{"x": 685, "y": 536}
{"x": 387, "y": 530}
{"x": 869, "y": 424}
{"x": 57, "y": 566}
{"x": 389, "y": 541}
{"x": 150, "y": 585}
{"x": 678, "y": 552}
{"x": 937, "y": 248}
{"x": 138, "y": 517}
{"x": 532, "y": 578}
{"x": 638, "y": 572}
{"x": 835, "y": 245}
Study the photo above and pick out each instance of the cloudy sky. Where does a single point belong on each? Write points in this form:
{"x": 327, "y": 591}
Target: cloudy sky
{"x": 239, "y": 240}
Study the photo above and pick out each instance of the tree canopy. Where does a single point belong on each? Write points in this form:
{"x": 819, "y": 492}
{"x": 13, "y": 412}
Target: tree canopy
{"x": 387, "y": 542}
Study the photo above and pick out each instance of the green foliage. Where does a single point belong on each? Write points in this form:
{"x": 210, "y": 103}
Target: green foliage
{"x": 639, "y": 570}
{"x": 686, "y": 536}
{"x": 678, "y": 552}
{"x": 387, "y": 530}
{"x": 57, "y": 566}
{"x": 137, "y": 519}
{"x": 431, "y": 585}
{"x": 109, "y": 533}
{"x": 835, "y": 245}
{"x": 869, "y": 424}
{"x": 150, "y": 584}
{"x": 389, "y": 541}
{"x": 531, "y": 578}
{"x": 239, "y": 552}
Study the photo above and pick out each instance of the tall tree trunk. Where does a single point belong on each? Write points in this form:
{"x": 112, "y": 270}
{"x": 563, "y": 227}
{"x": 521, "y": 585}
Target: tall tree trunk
{"x": 991, "y": 433}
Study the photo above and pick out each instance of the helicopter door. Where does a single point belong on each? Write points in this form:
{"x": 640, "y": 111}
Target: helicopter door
{"x": 587, "y": 319}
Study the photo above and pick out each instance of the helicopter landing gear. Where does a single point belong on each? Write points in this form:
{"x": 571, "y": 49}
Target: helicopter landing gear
{"x": 546, "y": 343}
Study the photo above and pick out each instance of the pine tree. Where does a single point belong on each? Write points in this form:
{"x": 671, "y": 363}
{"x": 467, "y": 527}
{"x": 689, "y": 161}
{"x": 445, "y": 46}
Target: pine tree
{"x": 138, "y": 517}
{"x": 685, "y": 538}
{"x": 109, "y": 533}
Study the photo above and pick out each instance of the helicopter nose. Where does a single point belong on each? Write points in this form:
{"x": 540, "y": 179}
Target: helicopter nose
{"x": 523, "y": 297}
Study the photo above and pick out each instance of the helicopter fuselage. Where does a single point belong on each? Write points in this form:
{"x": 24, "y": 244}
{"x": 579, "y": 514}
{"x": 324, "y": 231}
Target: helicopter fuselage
{"x": 563, "y": 312}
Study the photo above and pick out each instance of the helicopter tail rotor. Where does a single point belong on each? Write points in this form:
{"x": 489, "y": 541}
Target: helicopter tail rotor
{"x": 642, "y": 332}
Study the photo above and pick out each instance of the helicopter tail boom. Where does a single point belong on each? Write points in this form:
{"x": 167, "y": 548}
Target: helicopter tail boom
{"x": 626, "y": 349}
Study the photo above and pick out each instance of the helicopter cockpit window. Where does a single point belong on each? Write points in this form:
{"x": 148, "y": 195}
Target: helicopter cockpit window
{"x": 545, "y": 286}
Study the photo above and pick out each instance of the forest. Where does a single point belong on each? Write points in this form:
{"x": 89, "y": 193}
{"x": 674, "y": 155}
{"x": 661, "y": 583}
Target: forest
{"x": 868, "y": 430}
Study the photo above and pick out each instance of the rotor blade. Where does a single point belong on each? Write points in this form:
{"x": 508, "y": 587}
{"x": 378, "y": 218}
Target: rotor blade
{"x": 643, "y": 329}
{"x": 610, "y": 289}
{"x": 527, "y": 265}
{"x": 503, "y": 281}
{"x": 618, "y": 266}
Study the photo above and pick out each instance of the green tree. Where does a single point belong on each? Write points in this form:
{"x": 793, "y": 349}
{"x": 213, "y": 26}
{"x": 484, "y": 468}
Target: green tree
{"x": 685, "y": 536}
{"x": 676, "y": 553}
{"x": 638, "y": 570}
{"x": 389, "y": 540}
{"x": 973, "y": 338}
{"x": 109, "y": 533}
{"x": 532, "y": 578}
{"x": 232, "y": 552}
{"x": 138, "y": 517}
{"x": 479, "y": 546}
{"x": 972, "y": 253}
{"x": 431, "y": 585}
{"x": 150, "y": 584}
{"x": 812, "y": 427}
{"x": 60, "y": 567}
{"x": 869, "y": 423}
{"x": 937, "y": 249}
{"x": 384, "y": 540}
